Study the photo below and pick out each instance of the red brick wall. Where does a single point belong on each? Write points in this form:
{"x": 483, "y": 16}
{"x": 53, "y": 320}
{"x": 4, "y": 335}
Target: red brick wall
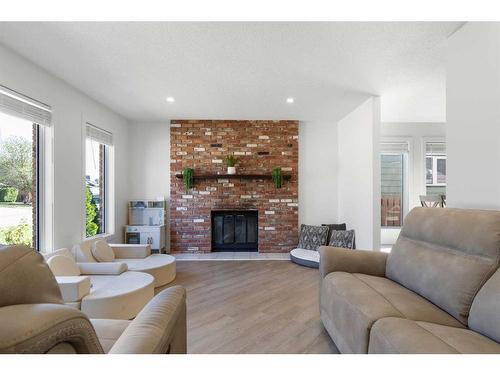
{"x": 192, "y": 146}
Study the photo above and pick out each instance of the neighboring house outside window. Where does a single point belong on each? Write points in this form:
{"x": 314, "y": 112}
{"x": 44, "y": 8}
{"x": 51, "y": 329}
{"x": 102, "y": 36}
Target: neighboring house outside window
{"x": 435, "y": 168}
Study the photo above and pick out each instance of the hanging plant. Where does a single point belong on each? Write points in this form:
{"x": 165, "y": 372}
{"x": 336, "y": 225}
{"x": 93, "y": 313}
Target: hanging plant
{"x": 187, "y": 177}
{"x": 277, "y": 178}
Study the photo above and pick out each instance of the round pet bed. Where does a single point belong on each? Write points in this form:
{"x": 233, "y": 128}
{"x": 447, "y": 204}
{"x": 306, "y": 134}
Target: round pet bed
{"x": 303, "y": 257}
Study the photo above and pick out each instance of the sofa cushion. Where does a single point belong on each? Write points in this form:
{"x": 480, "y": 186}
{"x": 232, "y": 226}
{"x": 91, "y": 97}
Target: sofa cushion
{"x": 102, "y": 251}
{"x": 161, "y": 266}
{"x": 396, "y": 335}
{"x": 312, "y": 237}
{"x": 109, "y": 331}
{"x": 351, "y": 303}
{"x": 485, "y": 311}
{"x": 118, "y": 296}
{"x": 455, "y": 249}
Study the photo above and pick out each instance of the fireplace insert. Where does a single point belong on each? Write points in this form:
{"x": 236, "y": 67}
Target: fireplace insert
{"x": 235, "y": 230}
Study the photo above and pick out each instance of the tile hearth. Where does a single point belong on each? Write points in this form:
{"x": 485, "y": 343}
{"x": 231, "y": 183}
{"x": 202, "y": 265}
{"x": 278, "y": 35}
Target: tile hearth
{"x": 227, "y": 255}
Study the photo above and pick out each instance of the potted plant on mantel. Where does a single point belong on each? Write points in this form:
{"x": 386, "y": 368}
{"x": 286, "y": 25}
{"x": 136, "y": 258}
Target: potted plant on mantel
{"x": 231, "y": 162}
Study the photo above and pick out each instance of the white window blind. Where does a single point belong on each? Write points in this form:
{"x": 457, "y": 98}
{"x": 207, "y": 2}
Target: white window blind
{"x": 435, "y": 148}
{"x": 99, "y": 135}
{"x": 15, "y": 104}
{"x": 394, "y": 147}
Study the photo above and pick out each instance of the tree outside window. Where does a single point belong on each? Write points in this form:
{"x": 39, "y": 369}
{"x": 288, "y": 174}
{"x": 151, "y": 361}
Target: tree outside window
{"x": 18, "y": 174}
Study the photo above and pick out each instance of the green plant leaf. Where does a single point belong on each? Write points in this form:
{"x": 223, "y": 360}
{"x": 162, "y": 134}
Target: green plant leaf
{"x": 277, "y": 178}
{"x": 187, "y": 177}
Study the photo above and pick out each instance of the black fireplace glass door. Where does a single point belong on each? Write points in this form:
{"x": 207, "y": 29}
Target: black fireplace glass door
{"x": 235, "y": 230}
{"x": 228, "y": 229}
{"x": 252, "y": 229}
{"x": 240, "y": 229}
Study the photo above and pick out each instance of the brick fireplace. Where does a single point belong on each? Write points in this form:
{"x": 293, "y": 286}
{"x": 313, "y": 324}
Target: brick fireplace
{"x": 260, "y": 146}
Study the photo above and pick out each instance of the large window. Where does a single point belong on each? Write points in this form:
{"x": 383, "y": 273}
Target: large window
{"x": 393, "y": 162}
{"x": 23, "y": 132}
{"x": 98, "y": 145}
{"x": 435, "y": 168}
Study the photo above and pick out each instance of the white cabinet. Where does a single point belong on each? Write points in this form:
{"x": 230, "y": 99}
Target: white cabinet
{"x": 146, "y": 223}
{"x": 144, "y": 234}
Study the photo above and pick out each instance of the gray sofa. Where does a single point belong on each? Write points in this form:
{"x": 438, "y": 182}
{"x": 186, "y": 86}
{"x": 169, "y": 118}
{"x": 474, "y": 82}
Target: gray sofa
{"x": 438, "y": 291}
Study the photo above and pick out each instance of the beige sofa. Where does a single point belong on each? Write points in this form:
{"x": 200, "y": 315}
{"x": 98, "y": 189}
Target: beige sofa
{"x": 33, "y": 318}
{"x": 438, "y": 291}
{"x": 100, "y": 290}
{"x": 137, "y": 258}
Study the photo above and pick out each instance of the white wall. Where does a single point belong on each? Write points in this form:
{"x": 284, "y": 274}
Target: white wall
{"x": 473, "y": 116}
{"x": 71, "y": 110}
{"x": 317, "y": 173}
{"x": 149, "y": 163}
{"x": 149, "y": 160}
{"x": 416, "y": 134}
{"x": 359, "y": 173}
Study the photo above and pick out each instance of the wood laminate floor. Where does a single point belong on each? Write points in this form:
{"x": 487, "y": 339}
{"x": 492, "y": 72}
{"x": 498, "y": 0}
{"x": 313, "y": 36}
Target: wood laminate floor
{"x": 252, "y": 307}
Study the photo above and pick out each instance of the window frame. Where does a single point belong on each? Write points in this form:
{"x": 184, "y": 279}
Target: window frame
{"x": 43, "y": 182}
{"x": 109, "y": 187}
{"x": 407, "y": 188}
{"x": 425, "y": 141}
{"x": 45, "y": 188}
{"x": 435, "y": 159}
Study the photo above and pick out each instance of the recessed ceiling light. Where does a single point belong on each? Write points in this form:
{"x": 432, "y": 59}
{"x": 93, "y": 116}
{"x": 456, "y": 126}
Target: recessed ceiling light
{"x": 289, "y": 100}
{"x": 170, "y": 99}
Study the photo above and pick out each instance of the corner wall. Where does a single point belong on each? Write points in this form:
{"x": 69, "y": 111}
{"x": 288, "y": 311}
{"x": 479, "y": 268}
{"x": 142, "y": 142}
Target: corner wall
{"x": 318, "y": 173}
{"x": 359, "y": 173}
{"x": 473, "y": 116}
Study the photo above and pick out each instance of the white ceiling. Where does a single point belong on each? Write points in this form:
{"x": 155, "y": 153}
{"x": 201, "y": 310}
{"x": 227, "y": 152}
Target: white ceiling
{"x": 245, "y": 70}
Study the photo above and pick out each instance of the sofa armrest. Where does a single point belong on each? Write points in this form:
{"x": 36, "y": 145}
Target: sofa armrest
{"x": 159, "y": 328}
{"x": 105, "y": 268}
{"x": 129, "y": 251}
{"x": 39, "y": 328}
{"x": 334, "y": 259}
{"x": 73, "y": 288}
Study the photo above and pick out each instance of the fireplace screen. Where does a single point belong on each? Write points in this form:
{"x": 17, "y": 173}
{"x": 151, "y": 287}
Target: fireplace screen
{"x": 234, "y": 230}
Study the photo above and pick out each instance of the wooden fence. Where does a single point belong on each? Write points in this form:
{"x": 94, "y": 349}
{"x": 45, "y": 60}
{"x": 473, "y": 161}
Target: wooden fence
{"x": 391, "y": 211}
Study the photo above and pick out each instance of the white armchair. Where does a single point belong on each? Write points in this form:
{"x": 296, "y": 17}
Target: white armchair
{"x": 136, "y": 257}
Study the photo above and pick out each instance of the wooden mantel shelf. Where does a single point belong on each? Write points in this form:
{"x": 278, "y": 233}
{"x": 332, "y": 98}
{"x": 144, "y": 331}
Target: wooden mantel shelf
{"x": 228, "y": 176}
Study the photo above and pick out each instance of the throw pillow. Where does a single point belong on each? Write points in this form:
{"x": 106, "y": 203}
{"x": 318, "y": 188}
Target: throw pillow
{"x": 102, "y": 252}
{"x": 62, "y": 265}
{"x": 312, "y": 237}
{"x": 342, "y": 238}
{"x": 336, "y": 226}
